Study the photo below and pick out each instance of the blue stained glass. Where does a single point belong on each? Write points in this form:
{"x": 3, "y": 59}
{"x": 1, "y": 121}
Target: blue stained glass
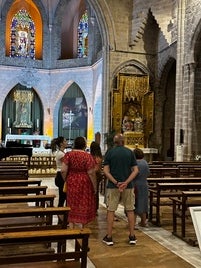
{"x": 82, "y": 49}
{"x": 22, "y": 39}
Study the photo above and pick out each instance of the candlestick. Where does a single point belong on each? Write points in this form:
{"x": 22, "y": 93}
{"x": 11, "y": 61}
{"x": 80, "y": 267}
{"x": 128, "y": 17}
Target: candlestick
{"x": 8, "y": 122}
{"x": 37, "y": 123}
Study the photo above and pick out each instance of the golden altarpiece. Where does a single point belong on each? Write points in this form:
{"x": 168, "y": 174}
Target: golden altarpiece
{"x": 132, "y": 109}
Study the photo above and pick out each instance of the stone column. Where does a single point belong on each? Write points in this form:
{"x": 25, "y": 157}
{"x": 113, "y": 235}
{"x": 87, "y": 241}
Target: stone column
{"x": 179, "y": 72}
{"x": 189, "y": 96}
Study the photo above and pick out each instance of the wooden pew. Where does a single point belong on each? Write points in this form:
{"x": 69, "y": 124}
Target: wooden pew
{"x": 153, "y": 181}
{"x": 164, "y": 172}
{"x": 6, "y": 163}
{"x": 37, "y": 200}
{"x": 13, "y": 183}
{"x": 159, "y": 196}
{"x": 23, "y": 190}
{"x": 32, "y": 218}
{"x": 180, "y": 210}
{"x": 14, "y": 173}
{"x": 60, "y": 237}
{"x": 190, "y": 170}
{"x": 176, "y": 163}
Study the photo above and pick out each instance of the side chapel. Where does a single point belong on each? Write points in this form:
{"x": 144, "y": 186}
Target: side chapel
{"x": 133, "y": 109}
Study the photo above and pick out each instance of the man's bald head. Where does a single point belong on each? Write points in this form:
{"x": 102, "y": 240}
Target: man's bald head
{"x": 119, "y": 139}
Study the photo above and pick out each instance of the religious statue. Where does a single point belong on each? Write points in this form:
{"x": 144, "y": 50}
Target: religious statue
{"x": 138, "y": 123}
{"x": 127, "y": 124}
{"x": 23, "y": 99}
{"x": 132, "y": 120}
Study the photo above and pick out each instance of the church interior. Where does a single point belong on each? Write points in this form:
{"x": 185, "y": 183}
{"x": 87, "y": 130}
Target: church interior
{"x": 94, "y": 68}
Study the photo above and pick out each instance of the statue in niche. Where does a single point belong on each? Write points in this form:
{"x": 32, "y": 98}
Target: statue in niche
{"x": 138, "y": 123}
{"x": 23, "y": 99}
{"x": 127, "y": 124}
{"x": 132, "y": 120}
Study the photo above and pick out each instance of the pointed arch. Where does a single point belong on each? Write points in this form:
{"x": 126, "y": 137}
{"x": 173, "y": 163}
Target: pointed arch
{"x": 73, "y": 113}
{"x": 9, "y": 112}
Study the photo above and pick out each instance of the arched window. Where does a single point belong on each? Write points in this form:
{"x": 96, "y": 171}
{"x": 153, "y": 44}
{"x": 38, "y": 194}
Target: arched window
{"x": 83, "y": 36}
{"x": 22, "y": 39}
{"x": 24, "y": 34}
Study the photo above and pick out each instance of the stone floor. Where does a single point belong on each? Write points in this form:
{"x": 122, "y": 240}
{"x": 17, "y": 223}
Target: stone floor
{"x": 156, "y": 247}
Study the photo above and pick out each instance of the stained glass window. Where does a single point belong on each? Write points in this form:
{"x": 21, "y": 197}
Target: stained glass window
{"x": 83, "y": 36}
{"x": 22, "y": 39}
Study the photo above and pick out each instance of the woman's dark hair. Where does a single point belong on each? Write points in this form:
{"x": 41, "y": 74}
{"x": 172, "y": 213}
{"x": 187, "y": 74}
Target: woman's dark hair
{"x": 138, "y": 153}
{"x": 95, "y": 149}
{"x": 80, "y": 143}
{"x": 56, "y": 143}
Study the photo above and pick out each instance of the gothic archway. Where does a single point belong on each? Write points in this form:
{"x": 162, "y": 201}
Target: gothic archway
{"x": 73, "y": 114}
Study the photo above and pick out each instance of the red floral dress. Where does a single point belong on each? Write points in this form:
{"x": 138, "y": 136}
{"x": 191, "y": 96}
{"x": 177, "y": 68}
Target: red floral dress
{"x": 80, "y": 191}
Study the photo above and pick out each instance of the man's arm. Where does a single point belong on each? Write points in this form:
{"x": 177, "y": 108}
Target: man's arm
{"x": 135, "y": 171}
{"x": 106, "y": 171}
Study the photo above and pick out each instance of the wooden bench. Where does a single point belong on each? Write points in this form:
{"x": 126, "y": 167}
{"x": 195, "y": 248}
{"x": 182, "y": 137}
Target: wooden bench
{"x": 176, "y": 163}
{"x": 14, "y": 173}
{"x": 17, "y": 164}
{"x": 13, "y": 183}
{"x": 180, "y": 211}
{"x": 60, "y": 237}
{"x": 37, "y": 200}
{"x": 159, "y": 196}
{"x": 153, "y": 181}
{"x": 164, "y": 172}
{"x": 32, "y": 218}
{"x": 23, "y": 190}
{"x": 189, "y": 170}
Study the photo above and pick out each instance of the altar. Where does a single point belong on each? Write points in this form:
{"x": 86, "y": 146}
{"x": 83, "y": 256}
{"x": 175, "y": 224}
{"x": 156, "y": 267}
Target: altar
{"x": 38, "y": 142}
{"x": 148, "y": 153}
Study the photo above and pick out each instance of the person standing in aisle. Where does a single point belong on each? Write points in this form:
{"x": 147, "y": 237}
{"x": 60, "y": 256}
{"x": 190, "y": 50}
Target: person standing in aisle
{"x": 78, "y": 170}
{"x": 141, "y": 188}
{"x": 95, "y": 151}
{"x": 120, "y": 168}
{"x": 59, "y": 145}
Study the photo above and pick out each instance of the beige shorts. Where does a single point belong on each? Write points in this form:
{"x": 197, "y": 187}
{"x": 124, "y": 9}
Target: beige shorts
{"x": 114, "y": 198}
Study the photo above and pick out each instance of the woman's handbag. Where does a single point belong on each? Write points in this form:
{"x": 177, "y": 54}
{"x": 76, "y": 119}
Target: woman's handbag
{"x": 65, "y": 187}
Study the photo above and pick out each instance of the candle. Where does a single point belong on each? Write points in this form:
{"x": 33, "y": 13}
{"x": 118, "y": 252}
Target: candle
{"x": 8, "y": 122}
{"x": 37, "y": 123}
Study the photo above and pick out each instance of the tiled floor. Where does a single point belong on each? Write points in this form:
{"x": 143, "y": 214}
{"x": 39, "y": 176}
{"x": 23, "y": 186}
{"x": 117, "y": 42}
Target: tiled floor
{"x": 191, "y": 255}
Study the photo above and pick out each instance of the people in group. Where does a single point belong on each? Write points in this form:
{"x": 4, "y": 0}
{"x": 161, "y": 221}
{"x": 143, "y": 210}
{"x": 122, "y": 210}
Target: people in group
{"x": 59, "y": 145}
{"x": 95, "y": 151}
{"x": 141, "y": 188}
{"x": 78, "y": 170}
{"x": 120, "y": 168}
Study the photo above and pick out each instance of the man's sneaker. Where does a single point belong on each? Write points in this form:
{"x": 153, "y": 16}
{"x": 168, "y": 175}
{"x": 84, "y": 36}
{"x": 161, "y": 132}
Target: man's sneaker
{"x": 108, "y": 241}
{"x": 132, "y": 240}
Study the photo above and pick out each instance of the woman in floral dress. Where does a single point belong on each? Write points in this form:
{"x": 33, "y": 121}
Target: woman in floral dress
{"x": 78, "y": 169}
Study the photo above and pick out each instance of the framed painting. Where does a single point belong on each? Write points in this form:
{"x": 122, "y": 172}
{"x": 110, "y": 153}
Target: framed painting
{"x": 196, "y": 218}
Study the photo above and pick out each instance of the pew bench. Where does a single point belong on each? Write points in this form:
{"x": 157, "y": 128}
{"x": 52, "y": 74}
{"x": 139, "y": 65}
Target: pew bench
{"x": 13, "y": 183}
{"x": 14, "y": 173}
{"x": 32, "y": 218}
{"x": 62, "y": 253}
{"x": 152, "y": 182}
{"x": 46, "y": 264}
{"x": 172, "y": 179}
{"x": 24, "y": 190}
{"x": 164, "y": 172}
{"x": 37, "y": 200}
{"x": 11, "y": 163}
{"x": 159, "y": 196}
{"x": 180, "y": 211}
